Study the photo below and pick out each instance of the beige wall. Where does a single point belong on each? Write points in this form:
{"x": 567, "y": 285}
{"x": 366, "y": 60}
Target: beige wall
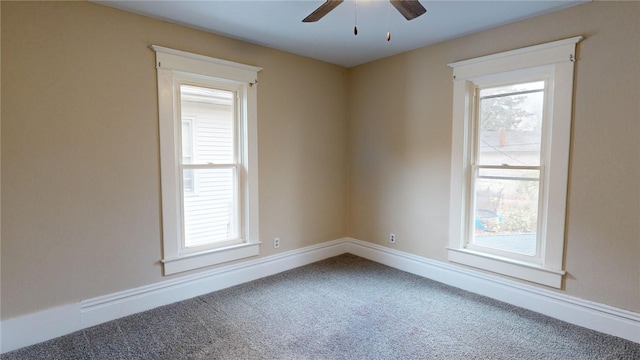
{"x": 80, "y": 163}
{"x": 80, "y": 158}
{"x": 399, "y": 146}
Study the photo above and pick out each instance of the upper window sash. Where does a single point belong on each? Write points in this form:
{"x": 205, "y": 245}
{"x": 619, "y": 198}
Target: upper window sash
{"x": 237, "y": 127}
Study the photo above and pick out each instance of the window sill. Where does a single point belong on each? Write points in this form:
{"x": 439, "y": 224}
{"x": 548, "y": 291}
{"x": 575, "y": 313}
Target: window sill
{"x": 210, "y": 257}
{"x": 505, "y": 266}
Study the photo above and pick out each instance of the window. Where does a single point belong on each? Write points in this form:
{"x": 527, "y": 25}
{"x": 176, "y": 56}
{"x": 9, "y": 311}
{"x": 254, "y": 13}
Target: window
{"x": 511, "y": 134}
{"x": 505, "y": 166}
{"x": 208, "y": 158}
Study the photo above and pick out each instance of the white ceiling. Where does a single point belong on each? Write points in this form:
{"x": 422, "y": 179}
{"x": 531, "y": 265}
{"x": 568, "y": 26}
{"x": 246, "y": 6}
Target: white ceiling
{"x": 278, "y": 24}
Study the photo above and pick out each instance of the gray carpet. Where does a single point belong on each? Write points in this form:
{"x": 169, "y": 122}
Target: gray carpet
{"x": 341, "y": 308}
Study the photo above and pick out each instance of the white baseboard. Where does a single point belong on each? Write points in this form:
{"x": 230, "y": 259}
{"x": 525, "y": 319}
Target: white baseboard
{"x": 48, "y": 324}
{"x": 588, "y": 314}
{"x": 39, "y": 326}
{"x": 54, "y": 322}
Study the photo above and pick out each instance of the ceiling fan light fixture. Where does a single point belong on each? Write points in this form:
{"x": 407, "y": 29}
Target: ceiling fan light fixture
{"x": 410, "y": 9}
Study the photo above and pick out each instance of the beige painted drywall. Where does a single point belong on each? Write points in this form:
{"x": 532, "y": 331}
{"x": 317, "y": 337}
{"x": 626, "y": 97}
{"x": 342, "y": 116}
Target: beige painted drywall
{"x": 80, "y": 163}
{"x": 80, "y": 158}
{"x": 400, "y": 139}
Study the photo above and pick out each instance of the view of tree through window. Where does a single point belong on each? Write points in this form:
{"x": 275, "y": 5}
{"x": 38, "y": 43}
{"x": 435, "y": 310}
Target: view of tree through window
{"x": 511, "y": 134}
{"x": 508, "y": 168}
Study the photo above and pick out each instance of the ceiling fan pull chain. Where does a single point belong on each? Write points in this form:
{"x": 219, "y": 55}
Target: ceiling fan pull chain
{"x": 388, "y": 23}
{"x": 355, "y": 19}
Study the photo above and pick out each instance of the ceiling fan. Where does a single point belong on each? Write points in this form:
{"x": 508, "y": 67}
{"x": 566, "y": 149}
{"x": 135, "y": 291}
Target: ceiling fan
{"x": 410, "y": 9}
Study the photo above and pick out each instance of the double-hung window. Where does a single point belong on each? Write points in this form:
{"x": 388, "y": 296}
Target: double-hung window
{"x": 511, "y": 134}
{"x": 208, "y": 158}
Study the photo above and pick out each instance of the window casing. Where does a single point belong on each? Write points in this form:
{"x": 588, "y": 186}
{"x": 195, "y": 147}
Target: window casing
{"x": 510, "y": 153}
{"x": 208, "y": 156}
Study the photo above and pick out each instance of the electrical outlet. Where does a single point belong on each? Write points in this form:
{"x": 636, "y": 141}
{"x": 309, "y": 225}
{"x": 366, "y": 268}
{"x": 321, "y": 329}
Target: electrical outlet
{"x": 276, "y": 243}
{"x": 392, "y": 238}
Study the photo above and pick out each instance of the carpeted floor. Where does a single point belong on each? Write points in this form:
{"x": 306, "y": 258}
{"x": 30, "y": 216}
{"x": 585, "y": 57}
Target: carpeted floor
{"x": 341, "y": 308}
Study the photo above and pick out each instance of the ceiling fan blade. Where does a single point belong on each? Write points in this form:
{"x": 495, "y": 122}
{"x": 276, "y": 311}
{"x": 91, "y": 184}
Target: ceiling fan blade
{"x": 323, "y": 10}
{"x": 410, "y": 9}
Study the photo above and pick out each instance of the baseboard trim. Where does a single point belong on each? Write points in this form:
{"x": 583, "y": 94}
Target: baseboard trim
{"x": 588, "y": 314}
{"x": 44, "y": 325}
{"x": 39, "y": 326}
{"x": 51, "y": 323}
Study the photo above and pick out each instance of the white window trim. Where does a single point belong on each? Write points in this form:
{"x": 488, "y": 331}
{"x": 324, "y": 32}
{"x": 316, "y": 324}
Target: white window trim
{"x": 172, "y": 63}
{"x": 558, "y": 59}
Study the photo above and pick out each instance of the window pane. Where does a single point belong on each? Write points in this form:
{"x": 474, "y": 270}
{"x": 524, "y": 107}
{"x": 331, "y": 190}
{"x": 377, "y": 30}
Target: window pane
{"x": 188, "y": 181}
{"x": 213, "y": 114}
{"x": 210, "y": 212}
{"x": 510, "y": 124}
{"x": 187, "y": 141}
{"x": 187, "y": 154}
{"x": 506, "y": 210}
